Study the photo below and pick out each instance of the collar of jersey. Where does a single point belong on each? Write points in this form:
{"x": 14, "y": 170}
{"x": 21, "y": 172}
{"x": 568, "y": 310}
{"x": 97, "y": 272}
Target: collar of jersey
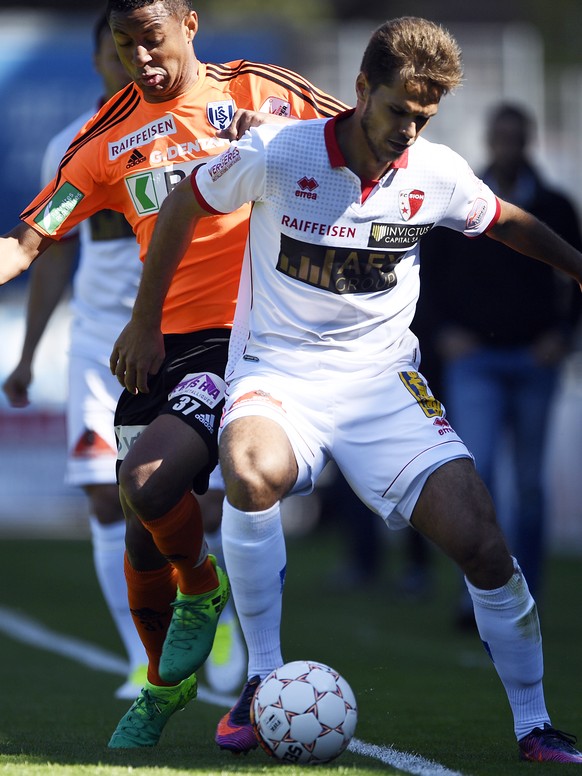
{"x": 336, "y": 158}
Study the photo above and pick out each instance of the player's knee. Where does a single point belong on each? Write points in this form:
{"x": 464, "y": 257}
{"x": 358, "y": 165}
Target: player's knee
{"x": 141, "y": 492}
{"x": 486, "y": 561}
{"x": 255, "y": 480}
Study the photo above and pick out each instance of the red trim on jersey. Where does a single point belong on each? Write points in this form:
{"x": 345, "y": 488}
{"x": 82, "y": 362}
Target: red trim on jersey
{"x": 495, "y": 218}
{"x": 199, "y": 198}
{"x": 336, "y": 158}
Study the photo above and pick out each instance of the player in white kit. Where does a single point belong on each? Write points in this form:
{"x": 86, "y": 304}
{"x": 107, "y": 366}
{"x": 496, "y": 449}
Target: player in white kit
{"x": 322, "y": 362}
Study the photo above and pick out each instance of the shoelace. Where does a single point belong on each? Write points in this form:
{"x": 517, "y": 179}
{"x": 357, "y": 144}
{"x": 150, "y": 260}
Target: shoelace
{"x": 148, "y": 705}
{"x": 191, "y": 611}
{"x": 559, "y": 735}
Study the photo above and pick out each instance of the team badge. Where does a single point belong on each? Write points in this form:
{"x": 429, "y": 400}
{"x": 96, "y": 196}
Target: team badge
{"x": 276, "y": 106}
{"x": 409, "y": 202}
{"x": 220, "y": 113}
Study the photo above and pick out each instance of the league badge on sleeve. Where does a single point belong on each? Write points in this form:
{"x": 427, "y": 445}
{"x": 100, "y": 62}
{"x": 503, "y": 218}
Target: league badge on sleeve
{"x": 277, "y": 106}
{"x": 220, "y": 113}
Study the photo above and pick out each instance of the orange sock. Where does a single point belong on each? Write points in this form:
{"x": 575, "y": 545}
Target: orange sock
{"x": 179, "y": 536}
{"x": 150, "y": 594}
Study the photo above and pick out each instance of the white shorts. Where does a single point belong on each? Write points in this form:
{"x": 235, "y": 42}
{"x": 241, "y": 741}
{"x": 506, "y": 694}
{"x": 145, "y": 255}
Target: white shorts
{"x": 92, "y": 448}
{"x": 387, "y": 433}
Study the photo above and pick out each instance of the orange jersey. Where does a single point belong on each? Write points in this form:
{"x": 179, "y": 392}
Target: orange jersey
{"x": 131, "y": 154}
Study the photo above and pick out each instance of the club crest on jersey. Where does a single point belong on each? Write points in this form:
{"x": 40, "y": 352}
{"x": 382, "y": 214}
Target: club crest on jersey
{"x": 409, "y": 202}
{"x": 276, "y": 106}
{"x": 220, "y": 113}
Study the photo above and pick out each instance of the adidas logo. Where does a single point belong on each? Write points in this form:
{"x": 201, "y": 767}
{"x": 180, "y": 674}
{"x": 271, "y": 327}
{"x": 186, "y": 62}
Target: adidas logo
{"x": 136, "y": 158}
{"x": 207, "y": 421}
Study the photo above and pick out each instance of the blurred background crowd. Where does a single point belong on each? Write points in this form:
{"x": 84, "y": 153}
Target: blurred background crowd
{"x": 523, "y": 53}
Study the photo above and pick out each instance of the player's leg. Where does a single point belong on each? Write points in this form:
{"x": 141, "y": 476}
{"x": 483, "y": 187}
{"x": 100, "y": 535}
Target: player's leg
{"x": 422, "y": 473}
{"x": 259, "y": 469}
{"x": 93, "y": 394}
{"x": 455, "y": 511}
{"x": 167, "y": 446}
{"x": 268, "y": 447}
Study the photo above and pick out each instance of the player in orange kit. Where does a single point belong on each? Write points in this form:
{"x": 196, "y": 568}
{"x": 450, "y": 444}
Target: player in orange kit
{"x": 128, "y": 158}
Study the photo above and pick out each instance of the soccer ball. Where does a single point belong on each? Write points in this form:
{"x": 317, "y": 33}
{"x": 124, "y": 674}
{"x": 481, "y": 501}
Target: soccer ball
{"x": 304, "y": 712}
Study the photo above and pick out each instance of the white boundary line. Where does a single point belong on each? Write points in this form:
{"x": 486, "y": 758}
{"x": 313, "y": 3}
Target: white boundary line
{"x": 22, "y": 628}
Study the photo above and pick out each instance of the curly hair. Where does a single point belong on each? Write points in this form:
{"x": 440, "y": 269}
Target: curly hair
{"x": 422, "y": 53}
{"x": 174, "y": 7}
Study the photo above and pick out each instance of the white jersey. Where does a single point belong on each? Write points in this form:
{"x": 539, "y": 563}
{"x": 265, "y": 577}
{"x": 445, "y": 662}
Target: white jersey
{"x": 334, "y": 276}
{"x": 107, "y": 278}
{"x": 104, "y": 290}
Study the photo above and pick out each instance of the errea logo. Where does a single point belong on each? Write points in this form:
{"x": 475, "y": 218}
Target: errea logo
{"x": 306, "y": 188}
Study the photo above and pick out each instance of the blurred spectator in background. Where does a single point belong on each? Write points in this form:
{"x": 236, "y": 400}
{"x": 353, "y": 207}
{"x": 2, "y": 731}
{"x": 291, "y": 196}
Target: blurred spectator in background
{"x": 501, "y": 326}
{"x": 105, "y": 286}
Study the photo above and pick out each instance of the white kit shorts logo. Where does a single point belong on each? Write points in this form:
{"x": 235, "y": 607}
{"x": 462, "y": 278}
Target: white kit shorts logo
{"x": 220, "y": 113}
{"x": 409, "y": 202}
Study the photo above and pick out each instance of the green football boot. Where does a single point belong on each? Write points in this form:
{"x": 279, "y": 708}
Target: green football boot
{"x": 147, "y": 717}
{"x": 192, "y": 629}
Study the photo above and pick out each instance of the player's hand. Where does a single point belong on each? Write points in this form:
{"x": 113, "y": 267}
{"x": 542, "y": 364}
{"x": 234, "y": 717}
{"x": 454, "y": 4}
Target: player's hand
{"x": 16, "y": 385}
{"x": 137, "y": 353}
{"x": 245, "y": 119}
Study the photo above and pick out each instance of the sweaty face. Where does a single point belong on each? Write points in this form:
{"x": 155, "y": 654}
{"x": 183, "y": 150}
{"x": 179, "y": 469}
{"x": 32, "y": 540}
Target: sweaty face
{"x": 156, "y": 50}
{"x": 392, "y": 118}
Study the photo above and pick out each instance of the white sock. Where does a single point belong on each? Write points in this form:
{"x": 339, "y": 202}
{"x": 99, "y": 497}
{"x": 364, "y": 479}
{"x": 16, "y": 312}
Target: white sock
{"x": 507, "y": 620}
{"x": 108, "y": 551}
{"x": 214, "y": 541}
{"x": 256, "y": 558}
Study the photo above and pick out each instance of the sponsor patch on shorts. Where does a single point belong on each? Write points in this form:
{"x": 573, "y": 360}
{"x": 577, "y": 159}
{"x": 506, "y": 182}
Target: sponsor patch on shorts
{"x": 203, "y": 386}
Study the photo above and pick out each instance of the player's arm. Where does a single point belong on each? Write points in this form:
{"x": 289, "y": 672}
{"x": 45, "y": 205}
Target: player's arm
{"x": 526, "y": 234}
{"x": 139, "y": 349}
{"x": 18, "y": 249}
{"x": 48, "y": 280}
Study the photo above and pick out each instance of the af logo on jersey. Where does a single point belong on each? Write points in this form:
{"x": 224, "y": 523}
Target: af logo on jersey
{"x": 220, "y": 113}
{"x": 409, "y": 202}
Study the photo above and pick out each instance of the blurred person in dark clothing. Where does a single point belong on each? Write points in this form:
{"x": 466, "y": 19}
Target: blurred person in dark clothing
{"x": 501, "y": 326}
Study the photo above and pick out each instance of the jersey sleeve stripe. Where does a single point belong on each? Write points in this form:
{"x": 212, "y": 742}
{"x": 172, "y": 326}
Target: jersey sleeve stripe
{"x": 326, "y": 105}
{"x": 117, "y": 112}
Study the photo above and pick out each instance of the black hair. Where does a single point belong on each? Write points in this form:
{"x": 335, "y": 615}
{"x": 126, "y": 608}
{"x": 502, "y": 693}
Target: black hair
{"x": 175, "y": 7}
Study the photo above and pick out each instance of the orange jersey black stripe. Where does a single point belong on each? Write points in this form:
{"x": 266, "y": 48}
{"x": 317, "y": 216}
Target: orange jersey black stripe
{"x": 131, "y": 154}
